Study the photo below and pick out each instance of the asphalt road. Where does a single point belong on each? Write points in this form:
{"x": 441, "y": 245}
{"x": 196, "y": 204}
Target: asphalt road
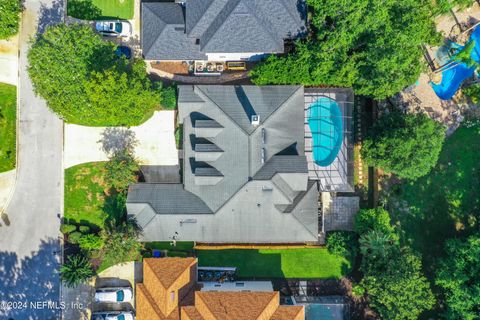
{"x": 29, "y": 244}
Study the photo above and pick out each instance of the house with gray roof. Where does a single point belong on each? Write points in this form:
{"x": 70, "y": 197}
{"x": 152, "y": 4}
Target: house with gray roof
{"x": 219, "y": 30}
{"x": 245, "y": 172}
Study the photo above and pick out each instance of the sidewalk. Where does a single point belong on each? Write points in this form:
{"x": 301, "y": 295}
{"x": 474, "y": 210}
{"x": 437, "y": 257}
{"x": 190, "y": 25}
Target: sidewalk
{"x": 9, "y": 61}
{"x": 7, "y": 185}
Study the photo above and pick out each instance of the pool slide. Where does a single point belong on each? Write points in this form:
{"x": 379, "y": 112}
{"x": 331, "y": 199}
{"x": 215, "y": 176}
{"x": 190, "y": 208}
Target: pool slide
{"x": 453, "y": 77}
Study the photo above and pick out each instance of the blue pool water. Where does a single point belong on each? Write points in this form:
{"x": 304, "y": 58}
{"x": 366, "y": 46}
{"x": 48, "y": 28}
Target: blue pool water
{"x": 325, "y": 122}
{"x": 323, "y": 312}
{"x": 452, "y": 78}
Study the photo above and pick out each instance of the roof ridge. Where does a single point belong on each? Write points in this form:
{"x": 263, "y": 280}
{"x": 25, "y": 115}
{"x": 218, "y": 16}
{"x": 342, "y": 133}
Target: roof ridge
{"x": 202, "y": 46}
{"x": 265, "y": 28}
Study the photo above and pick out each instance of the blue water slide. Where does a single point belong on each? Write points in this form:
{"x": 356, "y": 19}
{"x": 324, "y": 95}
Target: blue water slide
{"x": 455, "y": 74}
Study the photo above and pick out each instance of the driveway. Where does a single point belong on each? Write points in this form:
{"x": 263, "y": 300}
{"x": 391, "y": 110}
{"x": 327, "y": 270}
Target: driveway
{"x": 29, "y": 245}
{"x": 155, "y": 141}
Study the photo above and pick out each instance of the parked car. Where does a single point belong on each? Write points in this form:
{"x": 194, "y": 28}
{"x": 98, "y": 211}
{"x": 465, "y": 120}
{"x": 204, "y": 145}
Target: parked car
{"x": 124, "y": 51}
{"x": 113, "y": 315}
{"x": 113, "y": 294}
{"x": 114, "y": 28}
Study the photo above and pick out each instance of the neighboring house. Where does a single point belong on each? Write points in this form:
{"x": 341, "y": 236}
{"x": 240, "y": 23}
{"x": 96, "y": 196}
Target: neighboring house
{"x": 168, "y": 292}
{"x": 220, "y": 30}
{"x": 245, "y": 173}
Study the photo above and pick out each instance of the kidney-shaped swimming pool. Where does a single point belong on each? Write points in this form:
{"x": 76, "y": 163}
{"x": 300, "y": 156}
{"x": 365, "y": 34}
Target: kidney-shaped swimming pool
{"x": 325, "y": 122}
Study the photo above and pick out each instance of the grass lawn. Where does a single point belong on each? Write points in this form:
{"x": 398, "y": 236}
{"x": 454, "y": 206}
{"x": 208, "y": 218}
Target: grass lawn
{"x": 281, "y": 263}
{"x": 8, "y": 109}
{"x": 446, "y": 202}
{"x": 100, "y": 9}
{"x": 85, "y": 194}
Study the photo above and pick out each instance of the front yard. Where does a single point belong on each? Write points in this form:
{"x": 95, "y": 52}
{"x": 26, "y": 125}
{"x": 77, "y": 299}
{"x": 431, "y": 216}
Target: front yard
{"x": 301, "y": 263}
{"x": 8, "y": 107}
{"x": 86, "y": 194}
{"x": 100, "y": 9}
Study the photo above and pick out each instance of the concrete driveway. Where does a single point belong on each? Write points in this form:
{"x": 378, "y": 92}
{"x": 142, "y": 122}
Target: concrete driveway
{"x": 155, "y": 141}
{"x": 30, "y": 249}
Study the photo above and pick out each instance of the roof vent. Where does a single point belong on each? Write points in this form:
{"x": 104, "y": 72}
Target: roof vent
{"x": 263, "y": 155}
{"x": 255, "y": 120}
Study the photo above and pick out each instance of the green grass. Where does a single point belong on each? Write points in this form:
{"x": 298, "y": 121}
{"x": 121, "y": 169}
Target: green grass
{"x": 85, "y": 194}
{"x": 277, "y": 263}
{"x": 100, "y": 9}
{"x": 8, "y": 107}
{"x": 166, "y": 245}
{"x": 446, "y": 202}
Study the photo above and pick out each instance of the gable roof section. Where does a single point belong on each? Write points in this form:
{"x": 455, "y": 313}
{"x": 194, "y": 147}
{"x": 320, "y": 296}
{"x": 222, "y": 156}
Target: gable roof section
{"x": 289, "y": 313}
{"x": 167, "y": 270}
{"x": 239, "y": 103}
{"x": 163, "y": 33}
{"x": 165, "y": 199}
{"x": 282, "y": 164}
{"x": 237, "y": 305}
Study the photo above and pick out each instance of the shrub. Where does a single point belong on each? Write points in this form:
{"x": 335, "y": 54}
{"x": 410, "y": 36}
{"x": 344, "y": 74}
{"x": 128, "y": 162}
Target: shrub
{"x": 169, "y": 98}
{"x": 67, "y": 228}
{"x": 358, "y": 290}
{"x": 121, "y": 170}
{"x": 373, "y": 219}
{"x": 9, "y": 17}
{"x": 84, "y": 229}
{"x": 76, "y": 270}
{"x": 90, "y": 242}
{"x": 74, "y": 237}
{"x": 342, "y": 243}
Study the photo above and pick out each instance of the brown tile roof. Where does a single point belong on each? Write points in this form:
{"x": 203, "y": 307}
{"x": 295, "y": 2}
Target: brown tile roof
{"x": 147, "y": 309}
{"x": 238, "y": 305}
{"x": 289, "y": 313}
{"x": 191, "y": 313}
{"x": 167, "y": 270}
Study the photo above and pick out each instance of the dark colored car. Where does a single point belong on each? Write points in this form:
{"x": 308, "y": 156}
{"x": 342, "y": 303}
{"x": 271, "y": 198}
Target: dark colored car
{"x": 124, "y": 51}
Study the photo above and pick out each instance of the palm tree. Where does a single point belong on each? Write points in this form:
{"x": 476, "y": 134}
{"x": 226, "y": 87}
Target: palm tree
{"x": 375, "y": 244}
{"x": 76, "y": 270}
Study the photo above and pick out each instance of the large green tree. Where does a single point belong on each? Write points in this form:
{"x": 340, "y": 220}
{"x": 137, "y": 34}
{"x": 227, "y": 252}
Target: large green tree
{"x": 459, "y": 277}
{"x": 9, "y": 17}
{"x": 398, "y": 291}
{"x": 373, "y": 46}
{"x": 406, "y": 145}
{"x": 84, "y": 82}
{"x": 393, "y": 278}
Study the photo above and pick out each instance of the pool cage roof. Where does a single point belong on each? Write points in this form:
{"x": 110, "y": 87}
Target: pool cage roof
{"x": 338, "y": 175}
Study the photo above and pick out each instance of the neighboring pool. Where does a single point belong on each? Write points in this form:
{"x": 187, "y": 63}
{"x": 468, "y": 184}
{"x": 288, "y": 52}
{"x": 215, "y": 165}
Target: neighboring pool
{"x": 325, "y": 122}
{"x": 324, "y": 312}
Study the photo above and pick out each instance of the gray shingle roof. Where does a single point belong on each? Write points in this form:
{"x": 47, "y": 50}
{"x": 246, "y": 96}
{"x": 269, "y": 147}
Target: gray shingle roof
{"x": 166, "y": 198}
{"x": 221, "y": 26}
{"x": 163, "y": 33}
{"x": 237, "y": 186}
{"x": 282, "y": 164}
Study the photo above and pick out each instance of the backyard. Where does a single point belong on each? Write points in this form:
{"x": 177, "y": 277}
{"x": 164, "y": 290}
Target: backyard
{"x": 100, "y": 9}
{"x": 277, "y": 263}
{"x": 444, "y": 203}
{"x": 8, "y": 103}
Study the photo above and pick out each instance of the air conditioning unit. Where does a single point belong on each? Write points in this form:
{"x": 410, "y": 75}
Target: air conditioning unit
{"x": 255, "y": 120}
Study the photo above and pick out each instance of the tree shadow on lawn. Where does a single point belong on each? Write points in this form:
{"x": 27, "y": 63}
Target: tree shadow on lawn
{"x": 83, "y": 9}
{"x": 445, "y": 203}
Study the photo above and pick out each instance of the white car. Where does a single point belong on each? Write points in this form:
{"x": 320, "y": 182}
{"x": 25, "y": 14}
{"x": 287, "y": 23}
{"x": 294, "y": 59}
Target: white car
{"x": 113, "y": 294}
{"x": 117, "y": 28}
{"x": 113, "y": 315}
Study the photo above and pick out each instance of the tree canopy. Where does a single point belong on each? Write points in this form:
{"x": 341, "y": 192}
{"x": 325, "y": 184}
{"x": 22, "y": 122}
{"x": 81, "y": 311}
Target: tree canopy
{"x": 373, "y": 46}
{"x": 406, "y": 145}
{"x": 9, "y": 17}
{"x": 85, "y": 83}
{"x": 393, "y": 278}
{"x": 459, "y": 277}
